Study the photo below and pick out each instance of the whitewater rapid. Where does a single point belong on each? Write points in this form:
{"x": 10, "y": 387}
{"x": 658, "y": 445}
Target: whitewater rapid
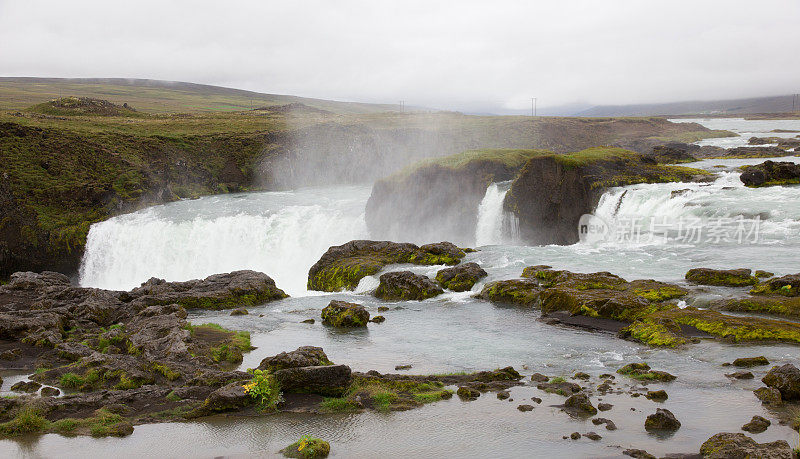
{"x": 279, "y": 233}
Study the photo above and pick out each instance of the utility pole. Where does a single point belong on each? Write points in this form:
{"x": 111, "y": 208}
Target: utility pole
{"x": 533, "y": 106}
{"x": 402, "y": 106}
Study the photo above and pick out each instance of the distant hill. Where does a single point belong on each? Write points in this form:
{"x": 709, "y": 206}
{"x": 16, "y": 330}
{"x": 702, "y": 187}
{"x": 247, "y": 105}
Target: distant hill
{"x": 775, "y": 104}
{"x": 157, "y": 96}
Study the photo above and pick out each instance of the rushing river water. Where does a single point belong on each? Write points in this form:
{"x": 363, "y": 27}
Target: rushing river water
{"x": 284, "y": 233}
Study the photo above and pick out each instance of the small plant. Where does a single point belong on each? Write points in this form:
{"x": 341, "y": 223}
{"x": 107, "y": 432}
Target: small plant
{"x": 71, "y": 381}
{"x": 264, "y": 389}
{"x": 557, "y": 380}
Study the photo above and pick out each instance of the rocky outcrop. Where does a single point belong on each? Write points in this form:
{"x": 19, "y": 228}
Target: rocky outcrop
{"x": 329, "y": 380}
{"x": 405, "y": 285}
{"x": 304, "y": 356}
{"x": 552, "y": 192}
{"x": 343, "y": 314}
{"x": 721, "y": 277}
{"x": 460, "y": 278}
{"x": 729, "y": 445}
{"x": 757, "y": 425}
{"x": 770, "y": 173}
{"x": 343, "y": 266}
{"x": 786, "y": 379}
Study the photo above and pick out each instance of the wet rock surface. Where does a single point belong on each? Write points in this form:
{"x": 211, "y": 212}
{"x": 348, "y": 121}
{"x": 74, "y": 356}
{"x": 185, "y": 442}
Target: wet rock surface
{"x": 406, "y": 285}
{"x": 786, "y": 379}
{"x": 460, "y": 278}
{"x": 342, "y": 267}
{"x": 662, "y": 420}
{"x": 770, "y": 173}
{"x": 738, "y": 445}
{"x": 346, "y": 315}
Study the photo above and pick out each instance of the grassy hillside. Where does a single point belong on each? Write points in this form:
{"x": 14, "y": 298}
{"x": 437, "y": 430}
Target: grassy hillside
{"x": 754, "y": 105}
{"x": 156, "y": 96}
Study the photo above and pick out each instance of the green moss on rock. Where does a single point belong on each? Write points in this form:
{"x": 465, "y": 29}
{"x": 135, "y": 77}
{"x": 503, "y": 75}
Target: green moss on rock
{"x": 721, "y": 277}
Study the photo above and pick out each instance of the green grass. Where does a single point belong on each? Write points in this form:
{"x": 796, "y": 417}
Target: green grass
{"x": 27, "y": 420}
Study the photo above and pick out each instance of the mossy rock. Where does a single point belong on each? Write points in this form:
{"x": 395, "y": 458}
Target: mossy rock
{"x": 405, "y": 285}
{"x": 788, "y": 286}
{"x": 460, "y": 278}
{"x": 721, "y": 277}
{"x": 652, "y": 334}
{"x": 307, "y": 447}
{"x": 762, "y": 303}
{"x": 342, "y": 267}
{"x": 643, "y": 372}
{"x": 344, "y": 314}
{"x": 522, "y": 292}
{"x": 733, "y": 328}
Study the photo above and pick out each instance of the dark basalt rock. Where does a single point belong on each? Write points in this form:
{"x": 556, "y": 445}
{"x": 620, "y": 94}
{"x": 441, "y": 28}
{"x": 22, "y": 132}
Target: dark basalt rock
{"x": 757, "y": 425}
{"x": 460, "y": 278}
{"x": 579, "y": 405}
{"x": 657, "y": 395}
{"x": 768, "y": 395}
{"x": 343, "y": 314}
{"x": 343, "y": 266}
{"x": 722, "y": 277}
{"x": 738, "y": 445}
{"x": 220, "y": 291}
{"x": 329, "y": 380}
{"x": 604, "y": 406}
{"x": 672, "y": 153}
{"x": 740, "y": 375}
{"x": 771, "y": 173}
{"x": 405, "y": 285}
{"x": 227, "y": 398}
{"x": 786, "y": 379}
{"x": 525, "y": 408}
{"x": 662, "y": 420}
{"x": 608, "y": 422}
{"x": 50, "y": 392}
{"x": 787, "y": 286}
{"x": 26, "y": 386}
{"x": 638, "y": 454}
{"x": 594, "y": 436}
{"x": 468, "y": 393}
{"x": 304, "y": 356}
{"x": 749, "y": 362}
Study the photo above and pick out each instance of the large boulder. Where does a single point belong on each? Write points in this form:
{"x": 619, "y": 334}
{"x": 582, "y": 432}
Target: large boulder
{"x": 460, "y": 278}
{"x": 220, "y": 291}
{"x": 771, "y": 173}
{"x": 342, "y": 267}
{"x": 580, "y": 405}
{"x": 524, "y": 292}
{"x": 405, "y": 285}
{"x": 662, "y": 420}
{"x": 324, "y": 379}
{"x": 722, "y": 277}
{"x": 304, "y": 356}
{"x": 728, "y": 445}
{"x": 227, "y": 398}
{"x": 343, "y": 314}
{"x": 786, "y": 379}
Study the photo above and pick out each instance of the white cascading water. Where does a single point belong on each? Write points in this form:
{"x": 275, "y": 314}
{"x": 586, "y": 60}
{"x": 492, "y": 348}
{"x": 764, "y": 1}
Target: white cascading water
{"x": 489, "y": 230}
{"x": 195, "y": 239}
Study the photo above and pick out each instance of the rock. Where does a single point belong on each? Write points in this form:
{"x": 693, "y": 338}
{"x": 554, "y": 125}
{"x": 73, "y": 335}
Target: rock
{"x": 604, "y": 406}
{"x": 468, "y": 393}
{"x": 563, "y": 388}
{"x": 740, "y": 375}
{"x": 536, "y": 400}
{"x": 657, "y": 395}
{"x": 304, "y": 356}
{"x": 524, "y": 292}
{"x": 11, "y": 354}
{"x": 308, "y": 321}
{"x": 50, "y": 392}
{"x": 638, "y": 454}
{"x": 378, "y": 319}
{"x": 786, "y": 379}
{"x": 757, "y": 425}
{"x": 784, "y": 286}
{"x": 642, "y": 371}
{"x": 738, "y": 445}
{"x": 331, "y": 380}
{"x": 608, "y": 422}
{"x": 239, "y": 312}
{"x": 748, "y": 362}
{"x": 220, "y": 291}
{"x": 721, "y": 277}
{"x": 343, "y": 314}
{"x": 342, "y": 267}
{"x": 405, "y": 285}
{"x": 594, "y": 436}
{"x": 673, "y": 153}
{"x": 383, "y": 308}
{"x": 538, "y": 377}
{"x": 227, "y": 398}
{"x": 581, "y": 375}
{"x": 768, "y": 395}
{"x": 524, "y": 408}
{"x": 460, "y": 278}
{"x": 307, "y": 448}
{"x": 579, "y": 404}
{"x": 402, "y": 367}
{"x": 770, "y": 173}
{"x": 662, "y": 420}
{"x": 760, "y": 274}
{"x": 575, "y": 435}
{"x": 503, "y": 395}
{"x": 26, "y": 386}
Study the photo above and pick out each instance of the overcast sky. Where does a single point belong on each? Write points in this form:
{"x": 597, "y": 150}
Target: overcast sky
{"x": 464, "y": 55}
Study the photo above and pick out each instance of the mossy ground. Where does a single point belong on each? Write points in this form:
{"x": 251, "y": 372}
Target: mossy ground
{"x": 29, "y": 420}
{"x": 307, "y": 447}
{"x": 386, "y": 395}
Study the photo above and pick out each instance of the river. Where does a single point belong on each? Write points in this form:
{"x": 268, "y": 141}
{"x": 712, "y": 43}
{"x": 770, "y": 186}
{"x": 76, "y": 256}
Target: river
{"x": 284, "y": 233}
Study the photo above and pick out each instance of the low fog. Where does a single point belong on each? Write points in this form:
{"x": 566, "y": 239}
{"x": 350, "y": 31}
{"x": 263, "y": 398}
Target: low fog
{"x": 478, "y": 57}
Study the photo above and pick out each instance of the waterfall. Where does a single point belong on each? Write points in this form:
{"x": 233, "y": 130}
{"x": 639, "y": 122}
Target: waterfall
{"x": 280, "y": 234}
{"x": 493, "y": 223}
